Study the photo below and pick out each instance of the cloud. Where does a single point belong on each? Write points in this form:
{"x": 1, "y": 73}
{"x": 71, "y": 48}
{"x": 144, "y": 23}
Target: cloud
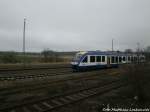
{"x": 74, "y": 24}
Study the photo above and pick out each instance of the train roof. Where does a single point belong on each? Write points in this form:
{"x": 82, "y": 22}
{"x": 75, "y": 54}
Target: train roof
{"x": 105, "y": 53}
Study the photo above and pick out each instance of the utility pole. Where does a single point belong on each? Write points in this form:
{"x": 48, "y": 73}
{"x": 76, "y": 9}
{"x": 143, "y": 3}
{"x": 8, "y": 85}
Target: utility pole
{"x": 24, "y": 47}
{"x": 112, "y": 44}
{"x": 138, "y": 51}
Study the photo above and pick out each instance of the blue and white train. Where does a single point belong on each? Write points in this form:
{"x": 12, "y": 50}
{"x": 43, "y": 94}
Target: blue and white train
{"x": 97, "y": 60}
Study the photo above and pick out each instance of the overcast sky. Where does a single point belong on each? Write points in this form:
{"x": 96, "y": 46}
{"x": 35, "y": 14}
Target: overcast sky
{"x": 66, "y": 25}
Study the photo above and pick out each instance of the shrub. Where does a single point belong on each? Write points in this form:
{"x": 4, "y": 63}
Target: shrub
{"x": 10, "y": 57}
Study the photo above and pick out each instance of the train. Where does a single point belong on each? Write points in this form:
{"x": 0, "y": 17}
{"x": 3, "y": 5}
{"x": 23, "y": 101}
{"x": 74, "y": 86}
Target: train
{"x": 87, "y": 60}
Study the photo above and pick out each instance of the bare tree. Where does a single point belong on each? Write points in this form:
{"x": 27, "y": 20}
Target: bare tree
{"x": 147, "y": 53}
{"x": 147, "y": 49}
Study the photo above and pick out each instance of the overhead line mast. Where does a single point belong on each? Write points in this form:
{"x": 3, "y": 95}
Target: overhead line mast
{"x": 24, "y": 44}
{"x": 112, "y": 44}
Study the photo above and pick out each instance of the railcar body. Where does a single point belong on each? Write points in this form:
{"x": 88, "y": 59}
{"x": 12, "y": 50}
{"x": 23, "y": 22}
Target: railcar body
{"x": 97, "y": 60}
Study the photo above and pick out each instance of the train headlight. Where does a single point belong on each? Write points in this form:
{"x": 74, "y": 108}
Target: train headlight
{"x": 74, "y": 63}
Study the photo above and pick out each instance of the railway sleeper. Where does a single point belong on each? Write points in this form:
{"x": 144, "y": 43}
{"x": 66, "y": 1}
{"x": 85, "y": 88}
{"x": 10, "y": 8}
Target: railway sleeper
{"x": 47, "y": 105}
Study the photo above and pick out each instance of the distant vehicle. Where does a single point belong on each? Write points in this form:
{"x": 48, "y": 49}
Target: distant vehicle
{"x": 98, "y": 60}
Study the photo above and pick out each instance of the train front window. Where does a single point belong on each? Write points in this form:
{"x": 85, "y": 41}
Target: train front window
{"x": 92, "y": 58}
{"x": 85, "y": 60}
{"x": 77, "y": 57}
{"x": 98, "y": 58}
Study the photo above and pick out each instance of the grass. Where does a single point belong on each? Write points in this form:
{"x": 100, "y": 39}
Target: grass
{"x": 138, "y": 77}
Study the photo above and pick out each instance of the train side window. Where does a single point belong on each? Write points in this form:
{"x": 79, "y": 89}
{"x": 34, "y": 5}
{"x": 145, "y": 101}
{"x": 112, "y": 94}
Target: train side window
{"x": 132, "y": 58}
{"x": 112, "y": 59}
{"x": 85, "y": 60}
{"x": 135, "y": 58}
{"x": 129, "y": 59}
{"x": 92, "y": 58}
{"x": 103, "y": 58}
{"x": 120, "y": 59}
{"x": 141, "y": 58}
{"x": 116, "y": 59}
{"x": 124, "y": 58}
{"x": 98, "y": 58}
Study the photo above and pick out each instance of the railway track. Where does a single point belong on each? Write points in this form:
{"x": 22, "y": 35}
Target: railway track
{"x": 33, "y": 67}
{"x": 37, "y": 86}
{"x": 55, "y": 102}
{"x": 11, "y": 76}
{"x": 40, "y": 86}
{"x": 14, "y": 77}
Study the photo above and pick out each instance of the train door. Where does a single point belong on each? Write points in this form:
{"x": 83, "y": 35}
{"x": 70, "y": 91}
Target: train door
{"x": 108, "y": 61}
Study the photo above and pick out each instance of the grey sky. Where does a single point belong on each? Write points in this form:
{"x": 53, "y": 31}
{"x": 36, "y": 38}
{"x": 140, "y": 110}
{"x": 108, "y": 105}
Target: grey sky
{"x": 66, "y": 25}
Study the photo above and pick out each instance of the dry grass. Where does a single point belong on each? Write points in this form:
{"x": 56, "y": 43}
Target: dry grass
{"x": 137, "y": 75}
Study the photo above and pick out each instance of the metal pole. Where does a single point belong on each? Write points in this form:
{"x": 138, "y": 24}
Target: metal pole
{"x": 112, "y": 44}
{"x": 24, "y": 28}
{"x": 138, "y": 51}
